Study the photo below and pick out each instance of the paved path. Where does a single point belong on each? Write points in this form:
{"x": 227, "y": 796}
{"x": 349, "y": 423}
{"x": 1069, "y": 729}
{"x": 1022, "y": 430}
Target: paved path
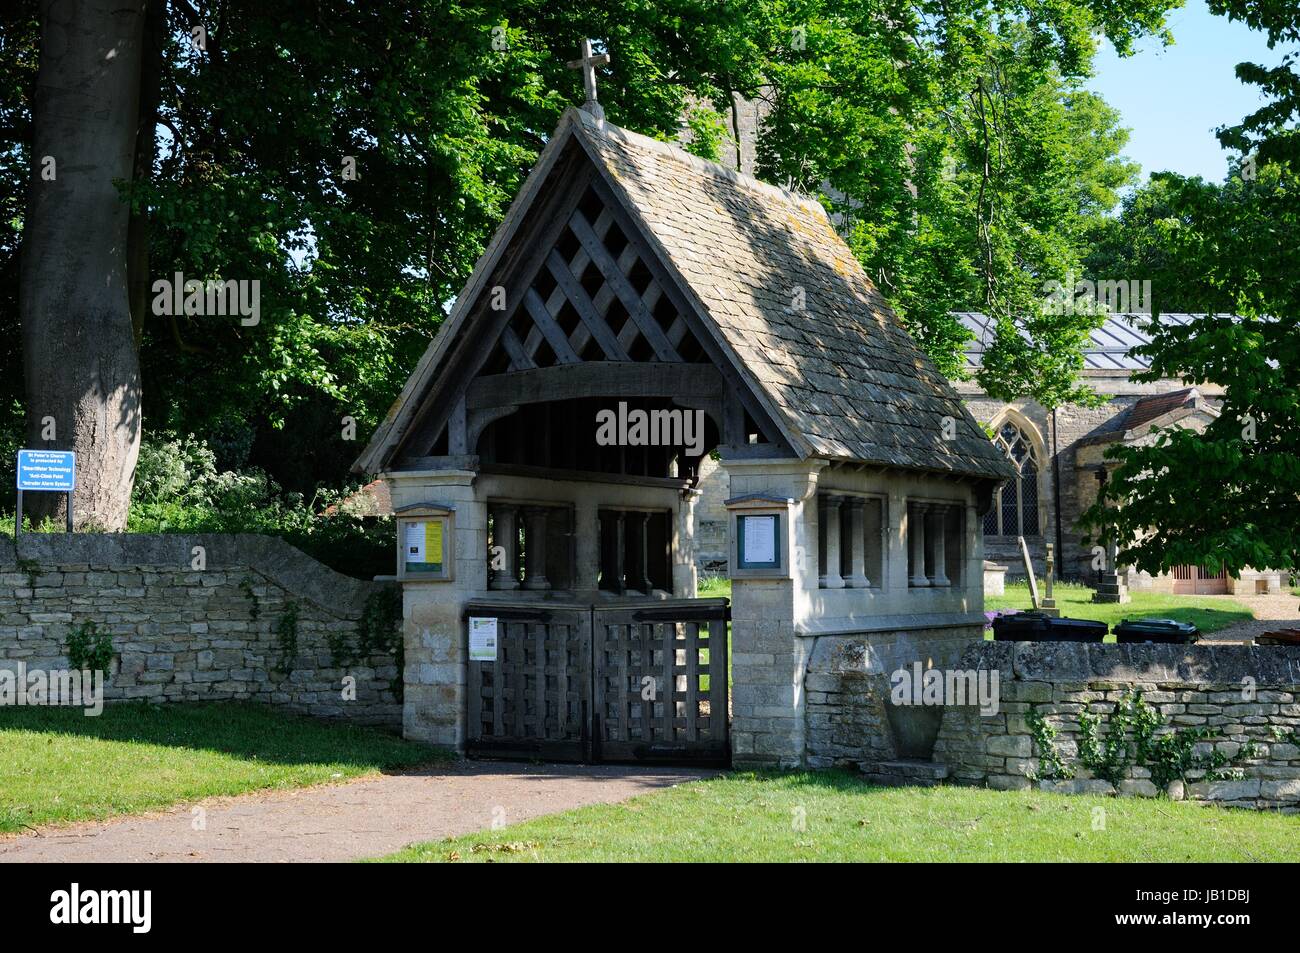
{"x": 1278, "y": 611}
{"x": 364, "y": 818}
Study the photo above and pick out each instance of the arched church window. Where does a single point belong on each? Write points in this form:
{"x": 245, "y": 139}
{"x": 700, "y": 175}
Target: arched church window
{"x": 1015, "y": 509}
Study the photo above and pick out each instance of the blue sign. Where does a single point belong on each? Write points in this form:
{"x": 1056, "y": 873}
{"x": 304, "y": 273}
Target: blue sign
{"x": 54, "y": 470}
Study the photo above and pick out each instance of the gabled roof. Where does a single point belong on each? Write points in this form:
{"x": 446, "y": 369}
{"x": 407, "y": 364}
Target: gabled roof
{"x": 783, "y": 298}
{"x": 1111, "y": 347}
{"x": 1153, "y": 412}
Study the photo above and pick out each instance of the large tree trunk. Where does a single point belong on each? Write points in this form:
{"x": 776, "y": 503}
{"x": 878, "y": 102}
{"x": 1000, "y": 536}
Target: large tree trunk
{"x": 79, "y": 355}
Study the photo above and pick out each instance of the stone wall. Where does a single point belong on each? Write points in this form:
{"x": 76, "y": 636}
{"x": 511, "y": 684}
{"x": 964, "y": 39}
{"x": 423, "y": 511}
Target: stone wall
{"x": 186, "y": 634}
{"x": 1192, "y": 687}
{"x": 850, "y": 721}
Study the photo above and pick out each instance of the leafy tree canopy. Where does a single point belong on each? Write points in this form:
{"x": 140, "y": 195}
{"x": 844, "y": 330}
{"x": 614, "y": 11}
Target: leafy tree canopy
{"x": 954, "y": 139}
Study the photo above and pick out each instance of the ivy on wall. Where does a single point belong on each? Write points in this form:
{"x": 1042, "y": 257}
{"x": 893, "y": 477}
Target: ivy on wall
{"x": 1133, "y": 735}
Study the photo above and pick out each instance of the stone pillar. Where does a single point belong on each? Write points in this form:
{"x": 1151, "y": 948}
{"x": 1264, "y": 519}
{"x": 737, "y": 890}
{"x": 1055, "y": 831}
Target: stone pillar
{"x": 535, "y": 548}
{"x": 434, "y": 636}
{"x": 857, "y": 544}
{"x": 505, "y": 533}
{"x": 972, "y": 536}
{"x": 769, "y": 654}
{"x": 916, "y": 536}
{"x": 829, "y": 517}
{"x": 938, "y": 515}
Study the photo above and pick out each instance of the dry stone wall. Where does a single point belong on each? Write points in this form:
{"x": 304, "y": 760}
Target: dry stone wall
{"x": 261, "y": 622}
{"x": 1245, "y": 698}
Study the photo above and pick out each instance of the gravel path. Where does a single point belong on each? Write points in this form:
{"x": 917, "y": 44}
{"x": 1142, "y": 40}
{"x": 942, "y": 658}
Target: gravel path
{"x": 364, "y": 818}
{"x": 1271, "y": 612}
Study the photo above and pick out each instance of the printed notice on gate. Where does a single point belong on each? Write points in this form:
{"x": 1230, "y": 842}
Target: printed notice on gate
{"x": 482, "y": 640}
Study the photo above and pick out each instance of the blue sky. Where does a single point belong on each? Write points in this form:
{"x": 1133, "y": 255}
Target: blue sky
{"x": 1173, "y": 97}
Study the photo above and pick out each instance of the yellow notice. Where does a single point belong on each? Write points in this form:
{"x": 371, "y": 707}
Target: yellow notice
{"x": 433, "y": 543}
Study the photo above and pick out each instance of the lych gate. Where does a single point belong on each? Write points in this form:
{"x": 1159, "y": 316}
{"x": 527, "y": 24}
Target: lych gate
{"x": 575, "y": 539}
{"x": 637, "y": 310}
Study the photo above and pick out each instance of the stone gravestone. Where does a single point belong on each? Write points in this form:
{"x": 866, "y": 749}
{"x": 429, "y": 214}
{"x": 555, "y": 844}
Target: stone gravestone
{"x": 1049, "y": 603}
{"x": 1029, "y": 571}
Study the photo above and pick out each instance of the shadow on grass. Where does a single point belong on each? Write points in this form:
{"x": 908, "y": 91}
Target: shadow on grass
{"x": 243, "y": 730}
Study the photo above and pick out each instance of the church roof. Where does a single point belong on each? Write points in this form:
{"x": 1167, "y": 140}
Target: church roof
{"x": 1110, "y": 349}
{"x": 781, "y": 295}
{"x": 1154, "y": 406}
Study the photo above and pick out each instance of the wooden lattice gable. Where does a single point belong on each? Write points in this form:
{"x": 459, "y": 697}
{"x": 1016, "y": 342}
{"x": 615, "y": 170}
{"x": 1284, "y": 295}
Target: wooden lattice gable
{"x": 595, "y": 298}
{"x": 582, "y": 289}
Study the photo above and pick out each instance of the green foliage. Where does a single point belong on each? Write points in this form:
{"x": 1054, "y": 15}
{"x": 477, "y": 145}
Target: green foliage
{"x": 90, "y": 648}
{"x": 1136, "y": 735}
{"x": 180, "y": 490}
{"x": 1106, "y": 756}
{"x": 957, "y": 143}
{"x": 708, "y": 133}
{"x": 380, "y": 630}
{"x": 286, "y": 636}
{"x": 246, "y": 587}
{"x": 33, "y": 570}
{"x": 1050, "y": 765}
{"x": 1230, "y": 496}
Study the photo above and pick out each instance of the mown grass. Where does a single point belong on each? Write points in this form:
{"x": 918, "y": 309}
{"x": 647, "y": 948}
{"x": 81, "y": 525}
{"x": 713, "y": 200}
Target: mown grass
{"x": 58, "y": 765}
{"x": 1208, "y": 613}
{"x": 834, "y": 816}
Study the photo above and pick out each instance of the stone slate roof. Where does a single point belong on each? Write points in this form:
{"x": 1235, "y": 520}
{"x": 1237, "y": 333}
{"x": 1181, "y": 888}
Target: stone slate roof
{"x": 840, "y": 376}
{"x": 1111, "y": 347}
{"x": 1133, "y": 423}
{"x": 842, "y": 373}
{"x": 1149, "y": 408}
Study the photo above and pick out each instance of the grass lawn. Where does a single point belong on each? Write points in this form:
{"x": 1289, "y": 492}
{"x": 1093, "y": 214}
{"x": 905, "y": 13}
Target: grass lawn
{"x": 747, "y": 817}
{"x": 1207, "y": 612}
{"x": 58, "y": 765}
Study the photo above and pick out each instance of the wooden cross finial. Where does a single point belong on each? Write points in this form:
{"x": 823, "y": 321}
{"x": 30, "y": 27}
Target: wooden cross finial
{"x": 588, "y": 65}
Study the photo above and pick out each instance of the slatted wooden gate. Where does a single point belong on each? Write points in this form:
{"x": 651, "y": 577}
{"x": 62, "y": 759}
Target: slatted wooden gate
{"x": 581, "y": 683}
{"x": 1197, "y": 580}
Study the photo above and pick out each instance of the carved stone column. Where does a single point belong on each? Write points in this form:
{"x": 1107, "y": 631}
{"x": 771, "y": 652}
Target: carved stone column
{"x": 535, "y": 548}
{"x": 916, "y": 536}
{"x": 829, "y": 516}
{"x": 938, "y": 537}
{"x": 505, "y": 534}
{"x": 857, "y": 544}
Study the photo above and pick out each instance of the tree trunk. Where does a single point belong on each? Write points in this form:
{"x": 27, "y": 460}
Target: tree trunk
{"x": 146, "y": 140}
{"x": 80, "y": 362}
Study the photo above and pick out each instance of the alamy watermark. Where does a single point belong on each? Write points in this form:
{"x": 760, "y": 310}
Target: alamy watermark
{"x": 651, "y": 428}
{"x": 70, "y": 688}
{"x": 212, "y": 298}
{"x": 938, "y": 686}
{"x": 1086, "y": 296}
{"x": 75, "y": 905}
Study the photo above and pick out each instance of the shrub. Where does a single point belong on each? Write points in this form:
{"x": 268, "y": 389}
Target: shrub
{"x": 89, "y": 648}
{"x": 180, "y": 490}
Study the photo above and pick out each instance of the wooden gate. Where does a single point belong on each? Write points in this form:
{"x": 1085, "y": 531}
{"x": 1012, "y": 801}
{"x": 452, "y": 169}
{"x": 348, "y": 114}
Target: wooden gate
{"x": 1199, "y": 581}
{"x": 593, "y": 683}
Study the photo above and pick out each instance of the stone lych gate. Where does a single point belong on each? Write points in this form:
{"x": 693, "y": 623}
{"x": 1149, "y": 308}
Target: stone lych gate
{"x": 549, "y": 572}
